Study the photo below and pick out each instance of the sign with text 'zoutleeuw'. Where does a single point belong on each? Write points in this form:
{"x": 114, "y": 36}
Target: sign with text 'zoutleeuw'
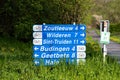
{"x": 54, "y": 42}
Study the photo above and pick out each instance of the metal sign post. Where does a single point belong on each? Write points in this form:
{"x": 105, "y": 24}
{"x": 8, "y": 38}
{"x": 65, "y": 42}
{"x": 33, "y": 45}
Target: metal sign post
{"x": 105, "y": 36}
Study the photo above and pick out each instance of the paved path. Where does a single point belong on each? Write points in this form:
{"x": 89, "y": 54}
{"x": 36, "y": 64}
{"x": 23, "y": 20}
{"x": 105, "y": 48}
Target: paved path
{"x": 112, "y": 48}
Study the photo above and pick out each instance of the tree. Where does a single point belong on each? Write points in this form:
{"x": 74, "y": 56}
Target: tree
{"x": 18, "y": 16}
{"x": 109, "y": 9}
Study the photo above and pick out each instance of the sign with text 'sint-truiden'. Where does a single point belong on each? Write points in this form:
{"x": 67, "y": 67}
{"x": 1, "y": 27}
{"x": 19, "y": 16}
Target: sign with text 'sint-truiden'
{"x": 53, "y": 42}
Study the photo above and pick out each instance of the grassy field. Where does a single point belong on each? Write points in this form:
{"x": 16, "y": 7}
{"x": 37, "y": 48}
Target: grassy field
{"x": 115, "y": 37}
{"x": 16, "y": 63}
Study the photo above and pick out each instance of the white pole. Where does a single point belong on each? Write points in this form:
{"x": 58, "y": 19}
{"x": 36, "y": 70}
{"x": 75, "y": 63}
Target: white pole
{"x": 104, "y": 52}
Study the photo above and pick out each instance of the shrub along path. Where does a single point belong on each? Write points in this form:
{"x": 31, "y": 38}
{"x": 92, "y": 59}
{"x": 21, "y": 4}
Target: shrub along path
{"x": 113, "y": 48}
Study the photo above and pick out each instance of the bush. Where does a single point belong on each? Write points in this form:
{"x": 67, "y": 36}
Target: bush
{"x": 23, "y": 31}
{"x": 93, "y": 49}
{"x": 115, "y": 28}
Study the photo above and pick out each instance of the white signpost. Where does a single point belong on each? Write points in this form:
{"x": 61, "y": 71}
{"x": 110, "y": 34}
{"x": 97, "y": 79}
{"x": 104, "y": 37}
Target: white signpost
{"x": 105, "y": 35}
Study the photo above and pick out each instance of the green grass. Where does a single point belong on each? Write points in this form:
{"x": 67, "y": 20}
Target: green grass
{"x": 16, "y": 63}
{"x": 115, "y": 37}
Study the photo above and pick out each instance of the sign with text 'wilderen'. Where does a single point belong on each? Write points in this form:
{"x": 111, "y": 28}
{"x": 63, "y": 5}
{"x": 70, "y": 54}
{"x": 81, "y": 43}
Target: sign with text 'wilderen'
{"x": 54, "y": 42}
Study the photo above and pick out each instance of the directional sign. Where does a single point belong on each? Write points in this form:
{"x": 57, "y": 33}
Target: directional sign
{"x": 53, "y": 42}
{"x": 62, "y": 48}
{"x": 55, "y": 54}
{"x": 64, "y": 35}
{"x": 53, "y": 61}
{"x": 50, "y": 48}
{"x": 59, "y": 55}
{"x": 59, "y": 41}
{"x": 59, "y": 35}
{"x": 65, "y": 27}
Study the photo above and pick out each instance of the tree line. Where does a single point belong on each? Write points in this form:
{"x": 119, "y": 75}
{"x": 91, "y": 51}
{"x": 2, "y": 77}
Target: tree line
{"x": 18, "y": 16}
{"x": 109, "y": 9}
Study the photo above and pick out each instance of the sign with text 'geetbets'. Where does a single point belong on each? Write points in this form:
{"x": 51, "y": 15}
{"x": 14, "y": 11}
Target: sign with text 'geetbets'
{"x": 54, "y": 42}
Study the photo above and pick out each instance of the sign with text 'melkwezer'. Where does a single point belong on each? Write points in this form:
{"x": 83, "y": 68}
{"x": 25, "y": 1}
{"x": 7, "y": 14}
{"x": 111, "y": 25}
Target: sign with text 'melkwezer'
{"x": 53, "y": 42}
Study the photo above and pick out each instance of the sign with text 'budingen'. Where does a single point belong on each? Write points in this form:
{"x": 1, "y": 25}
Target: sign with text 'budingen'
{"x": 53, "y": 42}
